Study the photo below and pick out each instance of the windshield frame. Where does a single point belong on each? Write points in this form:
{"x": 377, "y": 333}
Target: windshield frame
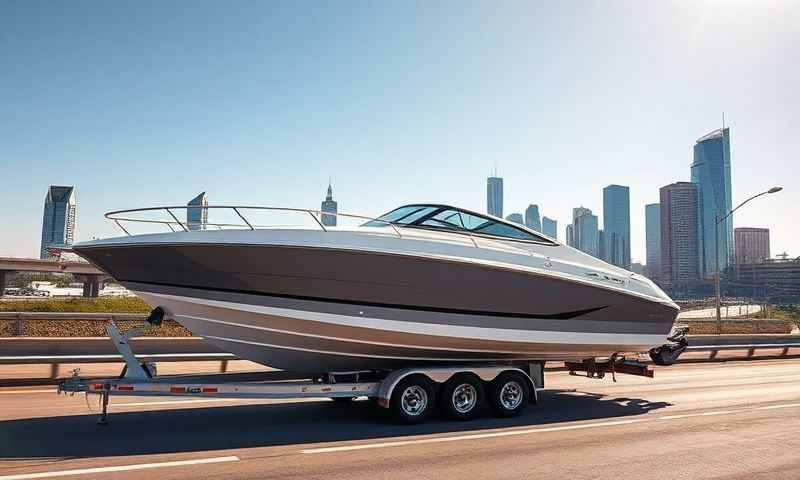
{"x": 438, "y": 209}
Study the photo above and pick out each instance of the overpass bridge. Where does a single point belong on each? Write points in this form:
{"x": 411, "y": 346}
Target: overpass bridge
{"x": 85, "y": 272}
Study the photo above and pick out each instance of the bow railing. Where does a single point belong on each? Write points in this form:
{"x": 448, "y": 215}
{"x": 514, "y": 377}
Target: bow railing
{"x": 173, "y": 222}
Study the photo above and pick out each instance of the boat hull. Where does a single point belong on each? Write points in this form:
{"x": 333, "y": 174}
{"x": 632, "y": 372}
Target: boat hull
{"x": 320, "y": 309}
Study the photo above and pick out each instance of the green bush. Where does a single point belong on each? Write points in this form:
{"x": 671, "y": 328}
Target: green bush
{"x": 74, "y": 305}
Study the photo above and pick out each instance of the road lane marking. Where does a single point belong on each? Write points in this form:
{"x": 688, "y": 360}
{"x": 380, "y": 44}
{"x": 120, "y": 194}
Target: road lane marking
{"x": 468, "y": 437}
{"x": 120, "y": 468}
{"x": 422, "y": 441}
{"x": 773, "y": 407}
{"x": 702, "y": 414}
{"x": 14, "y": 392}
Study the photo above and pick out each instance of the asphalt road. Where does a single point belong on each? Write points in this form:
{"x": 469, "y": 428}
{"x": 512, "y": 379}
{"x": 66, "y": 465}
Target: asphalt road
{"x": 735, "y": 420}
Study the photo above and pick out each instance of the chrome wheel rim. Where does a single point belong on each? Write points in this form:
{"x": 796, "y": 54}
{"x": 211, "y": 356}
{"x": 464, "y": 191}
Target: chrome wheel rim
{"x": 465, "y": 396}
{"x": 511, "y": 395}
{"x": 414, "y": 400}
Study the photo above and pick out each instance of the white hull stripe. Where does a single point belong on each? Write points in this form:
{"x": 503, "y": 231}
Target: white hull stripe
{"x": 350, "y": 340}
{"x": 361, "y": 355}
{"x": 457, "y": 331}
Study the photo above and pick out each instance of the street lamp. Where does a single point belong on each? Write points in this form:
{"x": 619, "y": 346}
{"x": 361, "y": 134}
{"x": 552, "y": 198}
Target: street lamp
{"x": 716, "y": 243}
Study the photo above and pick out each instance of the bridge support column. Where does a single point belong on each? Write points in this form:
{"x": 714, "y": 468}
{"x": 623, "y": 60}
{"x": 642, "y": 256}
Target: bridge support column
{"x": 91, "y": 285}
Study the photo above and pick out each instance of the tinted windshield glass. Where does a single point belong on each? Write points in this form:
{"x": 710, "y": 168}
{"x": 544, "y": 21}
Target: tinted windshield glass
{"x": 452, "y": 219}
{"x": 398, "y": 215}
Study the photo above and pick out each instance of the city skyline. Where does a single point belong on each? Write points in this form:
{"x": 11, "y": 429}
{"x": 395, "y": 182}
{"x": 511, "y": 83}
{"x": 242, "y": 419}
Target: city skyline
{"x": 248, "y": 115}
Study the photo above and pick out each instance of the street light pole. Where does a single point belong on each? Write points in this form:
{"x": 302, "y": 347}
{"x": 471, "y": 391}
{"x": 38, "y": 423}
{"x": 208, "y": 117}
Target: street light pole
{"x": 717, "y": 221}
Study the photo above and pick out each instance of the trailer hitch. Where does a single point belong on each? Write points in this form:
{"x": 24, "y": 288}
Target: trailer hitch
{"x": 597, "y": 369}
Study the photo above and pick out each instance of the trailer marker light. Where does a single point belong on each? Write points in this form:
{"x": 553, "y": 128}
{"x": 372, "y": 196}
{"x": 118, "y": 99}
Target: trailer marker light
{"x": 177, "y": 390}
{"x": 210, "y": 390}
{"x": 125, "y": 388}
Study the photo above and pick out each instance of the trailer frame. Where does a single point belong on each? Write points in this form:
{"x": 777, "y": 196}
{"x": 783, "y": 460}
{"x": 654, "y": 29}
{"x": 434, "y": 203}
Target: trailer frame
{"x": 141, "y": 379}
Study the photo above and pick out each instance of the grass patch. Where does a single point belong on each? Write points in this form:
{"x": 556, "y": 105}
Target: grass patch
{"x": 789, "y": 313}
{"x": 78, "y": 305}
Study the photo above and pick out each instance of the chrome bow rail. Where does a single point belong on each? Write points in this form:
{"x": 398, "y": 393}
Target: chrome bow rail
{"x": 119, "y": 216}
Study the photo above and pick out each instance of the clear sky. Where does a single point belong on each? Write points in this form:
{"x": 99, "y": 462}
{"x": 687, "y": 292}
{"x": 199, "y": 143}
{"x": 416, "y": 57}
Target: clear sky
{"x": 145, "y": 103}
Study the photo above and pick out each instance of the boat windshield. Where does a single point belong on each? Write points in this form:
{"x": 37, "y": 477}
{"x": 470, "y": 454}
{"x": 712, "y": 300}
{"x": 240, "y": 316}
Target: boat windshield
{"x": 454, "y": 219}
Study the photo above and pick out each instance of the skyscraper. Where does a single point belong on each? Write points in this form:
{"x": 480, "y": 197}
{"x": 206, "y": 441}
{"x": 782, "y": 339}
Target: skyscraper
{"x": 652, "y": 214}
{"x": 515, "y": 217}
{"x": 494, "y": 196}
{"x": 329, "y": 206}
{"x": 58, "y": 220}
{"x": 680, "y": 260}
{"x": 601, "y": 245}
{"x": 752, "y": 245}
{"x": 711, "y": 171}
{"x": 617, "y": 225}
{"x": 196, "y": 215}
{"x": 584, "y": 230}
{"x": 550, "y": 227}
{"x": 532, "y": 218}
{"x": 570, "y": 234}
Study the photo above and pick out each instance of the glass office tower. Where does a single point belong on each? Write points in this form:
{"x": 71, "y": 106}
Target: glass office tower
{"x": 532, "y": 218}
{"x": 494, "y": 196}
{"x": 652, "y": 214}
{"x": 196, "y": 215}
{"x": 617, "y": 225}
{"x": 679, "y": 233}
{"x": 711, "y": 171}
{"x": 550, "y": 227}
{"x": 58, "y": 220}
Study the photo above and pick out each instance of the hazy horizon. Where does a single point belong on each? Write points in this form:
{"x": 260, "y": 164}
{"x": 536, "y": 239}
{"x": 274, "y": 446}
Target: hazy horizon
{"x": 145, "y": 104}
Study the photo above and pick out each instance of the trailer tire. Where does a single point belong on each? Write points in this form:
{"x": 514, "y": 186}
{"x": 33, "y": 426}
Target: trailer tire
{"x": 413, "y": 399}
{"x": 462, "y": 397}
{"x": 509, "y": 394}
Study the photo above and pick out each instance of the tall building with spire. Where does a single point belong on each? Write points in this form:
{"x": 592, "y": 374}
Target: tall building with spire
{"x": 711, "y": 171}
{"x": 196, "y": 213}
{"x": 494, "y": 196}
{"x": 329, "y": 206}
{"x": 58, "y": 220}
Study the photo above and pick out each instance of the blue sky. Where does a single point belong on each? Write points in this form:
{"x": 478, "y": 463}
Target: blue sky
{"x": 148, "y": 103}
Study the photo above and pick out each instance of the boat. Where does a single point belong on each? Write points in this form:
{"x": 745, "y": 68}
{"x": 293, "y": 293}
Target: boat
{"x": 423, "y": 284}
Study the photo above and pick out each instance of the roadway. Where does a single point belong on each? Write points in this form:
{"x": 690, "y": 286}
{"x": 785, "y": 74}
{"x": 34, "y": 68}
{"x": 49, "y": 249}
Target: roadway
{"x": 734, "y": 420}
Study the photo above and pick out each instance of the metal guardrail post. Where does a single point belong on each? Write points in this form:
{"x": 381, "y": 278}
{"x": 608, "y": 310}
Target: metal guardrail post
{"x": 18, "y": 328}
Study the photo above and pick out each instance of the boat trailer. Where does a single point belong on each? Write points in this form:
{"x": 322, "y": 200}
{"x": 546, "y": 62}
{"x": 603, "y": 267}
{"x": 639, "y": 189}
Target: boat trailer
{"x": 520, "y": 382}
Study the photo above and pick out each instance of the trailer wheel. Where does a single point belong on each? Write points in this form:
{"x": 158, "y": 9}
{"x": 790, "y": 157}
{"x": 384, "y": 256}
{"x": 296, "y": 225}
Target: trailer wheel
{"x": 509, "y": 394}
{"x": 413, "y": 399}
{"x": 462, "y": 397}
